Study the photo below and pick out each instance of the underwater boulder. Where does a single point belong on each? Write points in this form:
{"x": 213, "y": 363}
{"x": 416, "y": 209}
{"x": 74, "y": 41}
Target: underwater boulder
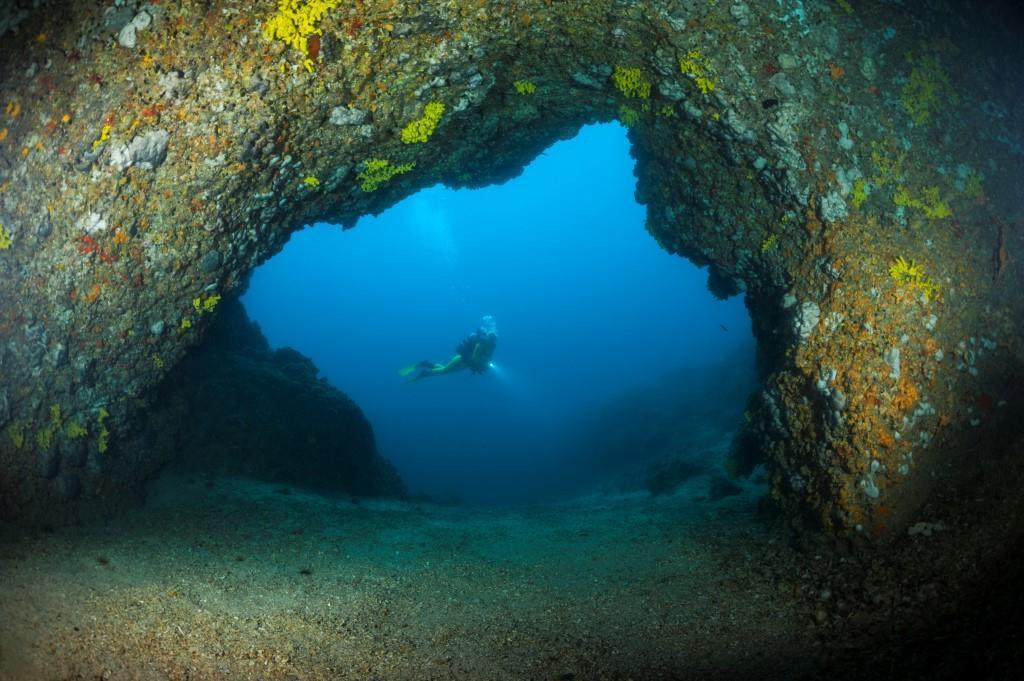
{"x": 262, "y": 413}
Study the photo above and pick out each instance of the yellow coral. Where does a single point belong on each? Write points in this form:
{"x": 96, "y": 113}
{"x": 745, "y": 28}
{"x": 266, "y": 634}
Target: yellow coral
{"x": 860, "y": 193}
{"x": 888, "y": 161}
{"x": 5, "y": 239}
{"x": 208, "y": 304}
{"x": 311, "y": 181}
{"x": 377, "y": 171}
{"x": 973, "y": 187}
{"x": 930, "y": 203}
{"x": 904, "y": 271}
{"x": 421, "y": 129}
{"x": 17, "y": 434}
{"x": 927, "y": 88}
{"x": 933, "y": 205}
{"x": 104, "y": 136}
{"x": 628, "y": 116}
{"x": 524, "y": 87}
{"x": 103, "y": 441}
{"x": 695, "y": 65}
{"x": 295, "y": 21}
{"x": 75, "y": 430}
{"x": 770, "y": 243}
{"x": 631, "y": 82}
{"x": 44, "y": 437}
{"x": 909, "y": 273}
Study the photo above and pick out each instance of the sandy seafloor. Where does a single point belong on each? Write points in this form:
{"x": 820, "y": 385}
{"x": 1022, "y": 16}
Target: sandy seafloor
{"x": 235, "y": 579}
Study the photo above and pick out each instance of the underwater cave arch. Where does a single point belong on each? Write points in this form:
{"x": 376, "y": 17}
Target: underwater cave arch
{"x": 751, "y": 159}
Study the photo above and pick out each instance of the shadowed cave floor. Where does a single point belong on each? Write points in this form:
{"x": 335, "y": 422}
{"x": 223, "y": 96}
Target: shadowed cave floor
{"x": 234, "y": 579}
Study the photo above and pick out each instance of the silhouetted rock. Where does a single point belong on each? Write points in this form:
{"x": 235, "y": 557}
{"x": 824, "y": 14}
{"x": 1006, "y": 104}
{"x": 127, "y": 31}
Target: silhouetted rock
{"x": 264, "y": 413}
{"x": 687, "y": 415}
{"x": 669, "y": 475}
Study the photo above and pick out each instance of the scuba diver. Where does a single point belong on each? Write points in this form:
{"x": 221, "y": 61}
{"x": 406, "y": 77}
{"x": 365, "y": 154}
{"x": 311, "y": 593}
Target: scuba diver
{"x": 473, "y": 353}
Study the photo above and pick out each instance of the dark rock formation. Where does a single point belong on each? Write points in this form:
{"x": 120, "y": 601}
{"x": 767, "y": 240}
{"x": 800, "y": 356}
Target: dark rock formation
{"x": 231, "y": 407}
{"x": 660, "y": 434}
{"x": 248, "y": 410}
{"x": 852, "y": 168}
{"x": 666, "y": 476}
{"x": 720, "y": 487}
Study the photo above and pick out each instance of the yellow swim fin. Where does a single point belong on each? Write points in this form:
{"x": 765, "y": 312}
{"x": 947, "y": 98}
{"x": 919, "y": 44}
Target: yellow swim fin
{"x": 408, "y": 370}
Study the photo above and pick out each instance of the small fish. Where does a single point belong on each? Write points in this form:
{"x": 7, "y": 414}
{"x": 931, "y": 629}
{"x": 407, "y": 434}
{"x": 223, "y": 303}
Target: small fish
{"x": 723, "y": 327}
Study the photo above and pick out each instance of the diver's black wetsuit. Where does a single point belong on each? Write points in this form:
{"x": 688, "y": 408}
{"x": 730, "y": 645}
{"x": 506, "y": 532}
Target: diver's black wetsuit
{"x": 477, "y": 349}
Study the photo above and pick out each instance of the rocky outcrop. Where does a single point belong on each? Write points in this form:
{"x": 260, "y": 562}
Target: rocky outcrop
{"x": 659, "y": 434}
{"x": 231, "y": 407}
{"x": 851, "y": 169}
{"x": 248, "y": 410}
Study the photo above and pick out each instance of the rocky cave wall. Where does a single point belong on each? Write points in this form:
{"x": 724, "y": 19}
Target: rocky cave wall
{"x": 850, "y": 167}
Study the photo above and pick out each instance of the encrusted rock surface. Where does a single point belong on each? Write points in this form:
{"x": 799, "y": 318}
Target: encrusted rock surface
{"x": 799, "y": 147}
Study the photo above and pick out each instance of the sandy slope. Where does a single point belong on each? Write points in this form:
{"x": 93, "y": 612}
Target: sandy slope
{"x": 232, "y": 579}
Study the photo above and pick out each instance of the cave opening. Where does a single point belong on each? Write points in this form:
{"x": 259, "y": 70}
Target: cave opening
{"x": 616, "y": 367}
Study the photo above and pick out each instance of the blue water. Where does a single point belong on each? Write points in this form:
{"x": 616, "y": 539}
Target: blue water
{"x": 587, "y": 306}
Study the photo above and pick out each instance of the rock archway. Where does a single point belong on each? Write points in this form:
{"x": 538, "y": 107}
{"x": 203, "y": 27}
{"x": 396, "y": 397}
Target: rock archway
{"x": 851, "y": 172}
